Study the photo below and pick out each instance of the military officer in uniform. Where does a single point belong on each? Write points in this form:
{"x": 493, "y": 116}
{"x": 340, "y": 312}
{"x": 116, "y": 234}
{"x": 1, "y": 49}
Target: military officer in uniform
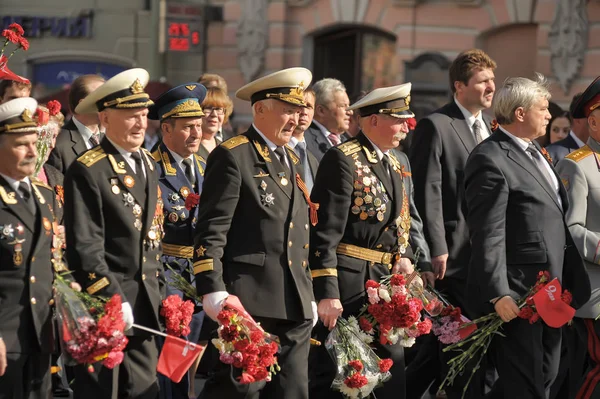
{"x": 114, "y": 224}
{"x": 580, "y": 174}
{"x": 253, "y": 232}
{"x": 367, "y": 223}
{"x": 181, "y": 174}
{"x": 27, "y": 225}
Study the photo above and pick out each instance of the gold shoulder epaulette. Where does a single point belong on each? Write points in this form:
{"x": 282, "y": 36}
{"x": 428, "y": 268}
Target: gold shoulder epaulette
{"x": 349, "y": 147}
{"x": 156, "y": 155}
{"x": 579, "y": 154}
{"x": 199, "y": 158}
{"x": 38, "y": 182}
{"x": 92, "y": 156}
{"x": 235, "y": 141}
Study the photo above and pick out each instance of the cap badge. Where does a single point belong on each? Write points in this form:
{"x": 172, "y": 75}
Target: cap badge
{"x": 26, "y": 115}
{"x": 136, "y": 87}
{"x": 190, "y": 87}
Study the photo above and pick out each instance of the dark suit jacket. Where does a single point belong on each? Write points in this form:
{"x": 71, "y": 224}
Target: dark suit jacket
{"x": 69, "y": 145}
{"x": 313, "y": 164}
{"x": 441, "y": 144}
{"x": 114, "y": 229}
{"x": 25, "y": 273}
{"x": 316, "y": 143}
{"x": 562, "y": 148}
{"x": 341, "y": 276}
{"x": 56, "y": 181}
{"x": 253, "y": 231}
{"x": 517, "y": 227}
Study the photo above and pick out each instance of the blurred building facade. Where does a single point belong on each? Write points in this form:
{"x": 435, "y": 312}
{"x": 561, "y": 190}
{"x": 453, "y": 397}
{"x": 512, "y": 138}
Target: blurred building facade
{"x": 364, "y": 43}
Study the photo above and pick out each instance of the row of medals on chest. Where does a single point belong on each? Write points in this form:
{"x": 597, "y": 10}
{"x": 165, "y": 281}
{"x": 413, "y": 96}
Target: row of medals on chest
{"x": 367, "y": 203}
{"x": 154, "y": 234}
{"x": 15, "y": 237}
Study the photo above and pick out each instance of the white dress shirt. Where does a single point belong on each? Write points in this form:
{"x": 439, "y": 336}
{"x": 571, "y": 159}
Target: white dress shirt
{"x": 127, "y": 156}
{"x": 14, "y": 184}
{"x": 272, "y": 146}
{"x": 577, "y": 140}
{"x": 326, "y": 132}
{"x": 470, "y": 119}
{"x": 85, "y": 132}
{"x": 179, "y": 159}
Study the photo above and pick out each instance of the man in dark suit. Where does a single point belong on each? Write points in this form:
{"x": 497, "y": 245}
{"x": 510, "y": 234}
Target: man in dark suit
{"x": 577, "y": 136}
{"x": 252, "y": 235}
{"x": 181, "y": 173}
{"x": 331, "y": 117}
{"x": 81, "y": 133}
{"x": 368, "y": 227}
{"x": 114, "y": 230}
{"x": 27, "y": 225}
{"x": 298, "y": 142}
{"x": 441, "y": 144}
{"x": 516, "y": 207}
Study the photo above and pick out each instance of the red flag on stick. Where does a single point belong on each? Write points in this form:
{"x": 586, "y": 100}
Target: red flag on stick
{"x": 176, "y": 357}
{"x": 550, "y": 305}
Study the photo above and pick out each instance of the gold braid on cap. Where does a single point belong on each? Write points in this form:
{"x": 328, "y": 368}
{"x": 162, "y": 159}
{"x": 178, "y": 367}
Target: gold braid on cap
{"x": 26, "y": 119}
{"x": 186, "y": 109}
{"x": 138, "y": 94}
{"x": 295, "y": 96}
{"x": 398, "y": 109}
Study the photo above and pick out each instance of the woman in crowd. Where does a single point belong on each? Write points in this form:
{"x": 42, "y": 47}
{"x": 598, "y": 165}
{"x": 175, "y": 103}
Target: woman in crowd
{"x": 558, "y": 128}
{"x": 217, "y": 107}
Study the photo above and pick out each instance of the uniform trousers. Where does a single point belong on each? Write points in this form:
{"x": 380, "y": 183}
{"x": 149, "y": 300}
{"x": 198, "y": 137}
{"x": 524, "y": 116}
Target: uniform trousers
{"x": 27, "y": 376}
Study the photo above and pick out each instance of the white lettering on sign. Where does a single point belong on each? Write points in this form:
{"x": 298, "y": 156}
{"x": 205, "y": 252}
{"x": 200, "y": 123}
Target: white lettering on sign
{"x": 551, "y": 290}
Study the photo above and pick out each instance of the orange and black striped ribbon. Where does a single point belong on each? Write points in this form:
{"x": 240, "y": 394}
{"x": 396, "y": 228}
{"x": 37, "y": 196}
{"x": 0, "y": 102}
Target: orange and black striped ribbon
{"x": 313, "y": 207}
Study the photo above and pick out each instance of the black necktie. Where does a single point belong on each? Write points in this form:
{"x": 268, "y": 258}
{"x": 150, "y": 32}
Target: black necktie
{"x": 139, "y": 167}
{"x": 281, "y": 154}
{"x": 477, "y": 131}
{"x": 187, "y": 163}
{"x": 26, "y": 195}
{"x": 386, "y": 165}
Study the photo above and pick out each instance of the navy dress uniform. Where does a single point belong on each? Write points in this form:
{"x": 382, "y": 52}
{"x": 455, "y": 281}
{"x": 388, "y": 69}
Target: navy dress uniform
{"x": 252, "y": 241}
{"x": 580, "y": 174}
{"x": 28, "y": 258}
{"x": 114, "y": 225}
{"x": 367, "y": 219}
{"x": 179, "y": 223}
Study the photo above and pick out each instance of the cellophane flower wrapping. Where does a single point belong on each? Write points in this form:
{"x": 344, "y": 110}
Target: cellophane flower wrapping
{"x": 359, "y": 369}
{"x": 243, "y": 344}
{"x": 91, "y": 330}
{"x": 45, "y": 136}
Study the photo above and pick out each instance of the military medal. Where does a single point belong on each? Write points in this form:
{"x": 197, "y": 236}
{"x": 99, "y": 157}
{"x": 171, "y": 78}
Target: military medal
{"x": 174, "y": 197}
{"x": 377, "y": 202}
{"x": 128, "y": 199}
{"x": 182, "y": 216}
{"x": 263, "y": 185}
{"x": 367, "y": 181}
{"x": 173, "y": 217}
{"x": 371, "y": 212}
{"x": 267, "y": 199}
{"x": 137, "y": 210}
{"x": 355, "y": 210}
{"x": 184, "y": 191}
{"x": 18, "y": 255}
{"x": 115, "y": 190}
{"x": 283, "y": 181}
{"x": 7, "y": 231}
{"x": 358, "y": 201}
{"x": 368, "y": 199}
{"x": 47, "y": 225}
{"x": 138, "y": 224}
{"x": 20, "y": 229}
{"x": 363, "y": 215}
{"x": 129, "y": 182}
{"x": 152, "y": 235}
{"x": 380, "y": 216}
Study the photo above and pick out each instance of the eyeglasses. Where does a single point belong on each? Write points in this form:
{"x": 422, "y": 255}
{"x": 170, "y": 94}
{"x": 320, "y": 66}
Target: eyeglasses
{"x": 209, "y": 110}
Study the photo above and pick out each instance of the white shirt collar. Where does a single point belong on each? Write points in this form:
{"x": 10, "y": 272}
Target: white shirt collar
{"x": 469, "y": 117}
{"x": 85, "y": 132}
{"x": 520, "y": 142}
{"x": 14, "y": 184}
{"x": 324, "y": 130}
{"x": 294, "y": 141}
{"x": 577, "y": 140}
{"x": 179, "y": 159}
{"x": 270, "y": 144}
{"x": 380, "y": 153}
{"x": 127, "y": 155}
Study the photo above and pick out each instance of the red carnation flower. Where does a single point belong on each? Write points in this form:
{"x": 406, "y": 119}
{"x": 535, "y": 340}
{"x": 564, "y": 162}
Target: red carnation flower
{"x": 385, "y": 365}
{"x": 566, "y": 297}
{"x": 398, "y": 280}
{"x": 424, "y": 327}
{"x": 24, "y": 43}
{"x": 356, "y": 365}
{"x": 15, "y": 27}
{"x": 11, "y": 36}
{"x": 526, "y": 312}
{"x": 229, "y": 333}
{"x": 192, "y": 201}
{"x": 364, "y": 324}
{"x": 372, "y": 284}
{"x": 246, "y": 378}
{"x": 412, "y": 123}
{"x": 534, "y": 318}
{"x": 356, "y": 380}
{"x": 53, "y": 107}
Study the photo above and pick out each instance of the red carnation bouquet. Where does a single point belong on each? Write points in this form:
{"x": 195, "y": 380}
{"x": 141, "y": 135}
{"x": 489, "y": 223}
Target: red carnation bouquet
{"x": 13, "y": 34}
{"x": 359, "y": 369}
{"x": 392, "y": 312}
{"x": 91, "y": 329}
{"x": 49, "y": 121}
{"x": 544, "y": 300}
{"x": 178, "y": 315}
{"x": 243, "y": 344}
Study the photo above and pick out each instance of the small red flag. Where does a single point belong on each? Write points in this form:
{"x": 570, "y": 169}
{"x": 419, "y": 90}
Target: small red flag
{"x": 551, "y": 307}
{"x": 176, "y": 357}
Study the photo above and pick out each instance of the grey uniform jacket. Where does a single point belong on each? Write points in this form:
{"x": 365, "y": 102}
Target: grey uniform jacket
{"x": 580, "y": 173}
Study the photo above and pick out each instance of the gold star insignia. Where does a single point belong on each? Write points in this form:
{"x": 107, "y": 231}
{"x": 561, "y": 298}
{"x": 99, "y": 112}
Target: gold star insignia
{"x": 318, "y": 254}
{"x": 92, "y": 276}
{"x": 200, "y": 251}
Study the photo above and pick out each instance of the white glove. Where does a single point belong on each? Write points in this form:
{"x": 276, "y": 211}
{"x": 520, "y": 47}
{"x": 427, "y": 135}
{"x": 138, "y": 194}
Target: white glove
{"x": 127, "y": 315}
{"x": 313, "y": 304}
{"x": 213, "y": 303}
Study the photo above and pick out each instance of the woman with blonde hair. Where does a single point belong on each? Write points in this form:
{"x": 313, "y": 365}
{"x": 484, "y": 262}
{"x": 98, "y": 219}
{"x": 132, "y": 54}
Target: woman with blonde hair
{"x": 217, "y": 107}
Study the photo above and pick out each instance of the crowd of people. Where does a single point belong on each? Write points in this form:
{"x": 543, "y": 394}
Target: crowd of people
{"x": 295, "y": 214}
